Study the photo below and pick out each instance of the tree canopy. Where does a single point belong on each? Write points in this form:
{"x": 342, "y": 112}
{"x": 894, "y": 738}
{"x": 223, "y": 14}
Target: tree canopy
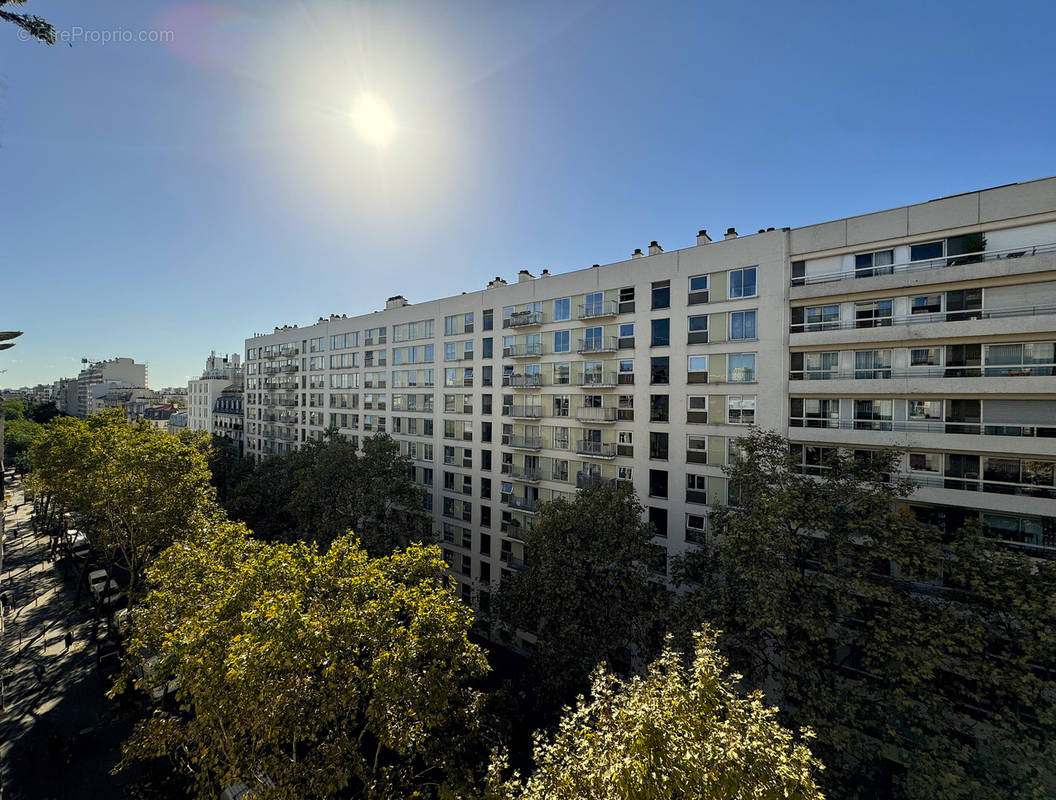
{"x": 303, "y": 674}
{"x": 586, "y": 592}
{"x": 35, "y": 26}
{"x": 678, "y": 731}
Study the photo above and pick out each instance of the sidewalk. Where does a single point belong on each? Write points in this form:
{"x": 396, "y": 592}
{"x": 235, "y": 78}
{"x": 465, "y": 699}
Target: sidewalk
{"x": 50, "y": 695}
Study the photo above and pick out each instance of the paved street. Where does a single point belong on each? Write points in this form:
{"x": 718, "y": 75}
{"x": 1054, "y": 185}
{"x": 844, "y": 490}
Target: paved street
{"x": 55, "y": 740}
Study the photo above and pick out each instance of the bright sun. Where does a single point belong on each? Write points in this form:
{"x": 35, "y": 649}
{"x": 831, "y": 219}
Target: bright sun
{"x": 373, "y": 120}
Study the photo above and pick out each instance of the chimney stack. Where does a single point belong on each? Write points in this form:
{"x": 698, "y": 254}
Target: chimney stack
{"x": 731, "y": 233}
{"x": 497, "y": 282}
{"x": 545, "y": 273}
{"x": 702, "y": 237}
{"x": 637, "y": 253}
{"x": 396, "y": 301}
{"x": 524, "y": 275}
{"x": 654, "y": 248}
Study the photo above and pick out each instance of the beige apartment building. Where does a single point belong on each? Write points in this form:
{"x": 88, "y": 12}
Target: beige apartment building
{"x": 929, "y": 328}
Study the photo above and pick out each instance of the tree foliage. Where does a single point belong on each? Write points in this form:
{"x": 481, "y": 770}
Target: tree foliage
{"x": 924, "y": 663}
{"x": 35, "y": 26}
{"x": 19, "y": 435}
{"x": 135, "y": 488}
{"x": 303, "y": 674}
{"x": 679, "y": 731}
{"x": 587, "y": 592}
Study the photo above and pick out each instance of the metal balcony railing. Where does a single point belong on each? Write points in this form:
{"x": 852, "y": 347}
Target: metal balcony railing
{"x": 529, "y": 504}
{"x": 932, "y": 263}
{"x": 523, "y": 350}
{"x": 976, "y": 371}
{"x": 525, "y": 474}
{"x": 976, "y": 484}
{"x": 524, "y": 412}
{"x": 523, "y": 381}
{"x": 289, "y": 368}
{"x": 585, "y": 479}
{"x": 604, "y": 344}
{"x": 596, "y": 414}
{"x": 596, "y": 380}
{"x": 606, "y": 308}
{"x": 1046, "y": 429}
{"x": 596, "y": 449}
{"x": 525, "y": 442}
{"x": 523, "y": 319}
{"x": 913, "y": 319}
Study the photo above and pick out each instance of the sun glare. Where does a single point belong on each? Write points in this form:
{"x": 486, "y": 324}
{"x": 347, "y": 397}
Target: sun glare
{"x": 373, "y": 120}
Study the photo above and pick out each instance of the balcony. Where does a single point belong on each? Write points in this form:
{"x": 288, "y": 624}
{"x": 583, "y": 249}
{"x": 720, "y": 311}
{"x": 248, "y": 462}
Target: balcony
{"x": 914, "y": 319}
{"x": 287, "y": 419}
{"x": 529, "y": 504}
{"x": 515, "y": 530}
{"x": 952, "y": 371}
{"x": 289, "y": 368}
{"x": 585, "y": 479}
{"x": 592, "y": 414}
{"x": 270, "y": 417}
{"x": 513, "y": 562}
{"x": 523, "y": 319}
{"x": 596, "y": 449}
{"x": 975, "y": 484}
{"x": 525, "y": 474}
{"x": 606, "y": 308}
{"x": 524, "y": 412}
{"x": 285, "y": 401}
{"x": 286, "y": 436}
{"x": 523, "y": 381}
{"x": 929, "y": 264}
{"x": 604, "y": 344}
{"x": 1046, "y": 430}
{"x": 523, "y": 350}
{"x": 289, "y": 352}
{"x": 270, "y": 369}
{"x": 525, "y": 442}
{"x": 596, "y": 380}
{"x": 287, "y": 385}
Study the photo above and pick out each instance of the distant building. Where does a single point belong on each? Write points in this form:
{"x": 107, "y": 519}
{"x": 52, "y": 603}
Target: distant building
{"x": 159, "y": 416}
{"x": 115, "y": 371}
{"x": 221, "y": 372}
{"x": 64, "y": 393}
{"x": 227, "y": 416}
{"x": 178, "y": 421}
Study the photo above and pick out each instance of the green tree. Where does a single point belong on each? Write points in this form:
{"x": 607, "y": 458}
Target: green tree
{"x": 36, "y": 27}
{"x": 587, "y": 591}
{"x": 261, "y": 499}
{"x": 14, "y": 408}
{"x": 916, "y": 660}
{"x": 137, "y": 489}
{"x": 679, "y": 731}
{"x": 19, "y": 435}
{"x": 340, "y": 489}
{"x": 304, "y": 674}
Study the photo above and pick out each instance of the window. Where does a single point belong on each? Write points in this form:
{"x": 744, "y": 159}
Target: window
{"x": 659, "y": 408}
{"x": 924, "y": 410}
{"x": 661, "y": 294}
{"x": 561, "y": 405}
{"x": 698, "y": 290}
{"x": 868, "y": 264}
{"x": 625, "y": 444}
{"x": 698, "y": 369}
{"x": 626, "y": 300}
{"x": 741, "y": 409}
{"x": 814, "y": 366}
{"x": 488, "y": 348}
{"x": 562, "y": 374}
{"x": 872, "y": 314}
{"x": 812, "y": 412}
{"x": 562, "y": 309}
{"x": 696, "y": 449}
{"x": 742, "y": 325}
{"x": 742, "y": 283}
{"x": 659, "y": 370}
{"x": 925, "y": 357}
{"x": 925, "y": 462}
{"x": 560, "y": 438}
{"x": 562, "y": 341}
{"x": 625, "y": 371}
{"x": 872, "y": 415}
{"x": 593, "y": 305}
{"x": 661, "y": 330}
{"x": 626, "y": 336}
{"x": 450, "y": 351}
{"x": 872, "y": 364}
{"x": 926, "y": 304}
{"x": 799, "y": 273}
{"x": 658, "y": 518}
{"x": 489, "y": 320}
{"x": 658, "y": 483}
{"x": 740, "y": 367}
{"x": 816, "y": 318}
{"x": 696, "y": 489}
{"x": 451, "y": 325}
{"x": 698, "y": 329}
{"x": 697, "y": 408}
{"x": 696, "y": 528}
{"x": 926, "y": 250}
{"x": 962, "y": 302}
{"x": 658, "y": 445}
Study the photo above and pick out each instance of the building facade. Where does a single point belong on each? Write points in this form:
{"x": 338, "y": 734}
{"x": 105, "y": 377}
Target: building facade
{"x": 220, "y": 373}
{"x": 119, "y": 372}
{"x": 228, "y": 416}
{"x": 930, "y": 328}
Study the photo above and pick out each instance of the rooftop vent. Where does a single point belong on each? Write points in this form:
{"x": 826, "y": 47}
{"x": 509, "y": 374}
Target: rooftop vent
{"x": 702, "y": 237}
{"x": 497, "y": 282}
{"x": 654, "y": 248}
{"x": 397, "y": 301}
{"x": 637, "y": 253}
{"x": 731, "y": 233}
{"x": 595, "y": 266}
{"x": 544, "y": 274}
{"x": 524, "y": 275}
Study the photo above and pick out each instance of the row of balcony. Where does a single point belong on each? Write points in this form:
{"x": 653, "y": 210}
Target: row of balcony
{"x": 282, "y": 352}
{"x": 915, "y": 319}
{"x": 1045, "y": 430}
{"x": 528, "y": 319}
{"x": 1003, "y": 371}
{"x": 583, "y": 414}
{"x": 592, "y": 380}
{"x": 601, "y": 344}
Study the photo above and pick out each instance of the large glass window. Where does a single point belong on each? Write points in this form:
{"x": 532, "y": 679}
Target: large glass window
{"x": 872, "y": 364}
{"x": 662, "y": 294}
{"x": 561, "y": 341}
{"x": 740, "y": 367}
{"x": 872, "y": 314}
{"x": 698, "y": 329}
{"x": 562, "y": 309}
{"x": 872, "y": 415}
{"x": 661, "y": 333}
{"x": 742, "y": 325}
{"x": 740, "y": 409}
{"x": 742, "y": 283}
{"x": 660, "y": 369}
{"x": 868, "y": 264}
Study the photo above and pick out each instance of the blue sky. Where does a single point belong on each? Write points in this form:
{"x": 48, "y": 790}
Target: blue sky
{"x": 161, "y": 200}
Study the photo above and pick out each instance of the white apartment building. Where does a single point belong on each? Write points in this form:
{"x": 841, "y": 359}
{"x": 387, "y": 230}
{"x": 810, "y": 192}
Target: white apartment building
{"x": 221, "y": 372}
{"x": 117, "y": 371}
{"x": 930, "y": 327}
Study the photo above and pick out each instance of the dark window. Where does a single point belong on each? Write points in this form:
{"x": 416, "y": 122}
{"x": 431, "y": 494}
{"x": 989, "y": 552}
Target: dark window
{"x": 489, "y": 348}
{"x": 485, "y": 376}
{"x": 660, "y": 369}
{"x": 659, "y": 408}
{"x": 661, "y": 332}
{"x": 658, "y": 483}
{"x": 658, "y": 445}
{"x": 485, "y": 404}
{"x": 799, "y": 273}
{"x": 485, "y": 577}
{"x": 485, "y": 460}
{"x": 485, "y": 488}
{"x": 485, "y": 517}
{"x": 920, "y": 252}
{"x": 658, "y": 517}
{"x": 485, "y": 431}
{"x": 627, "y": 300}
{"x": 662, "y": 294}
{"x": 489, "y": 320}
